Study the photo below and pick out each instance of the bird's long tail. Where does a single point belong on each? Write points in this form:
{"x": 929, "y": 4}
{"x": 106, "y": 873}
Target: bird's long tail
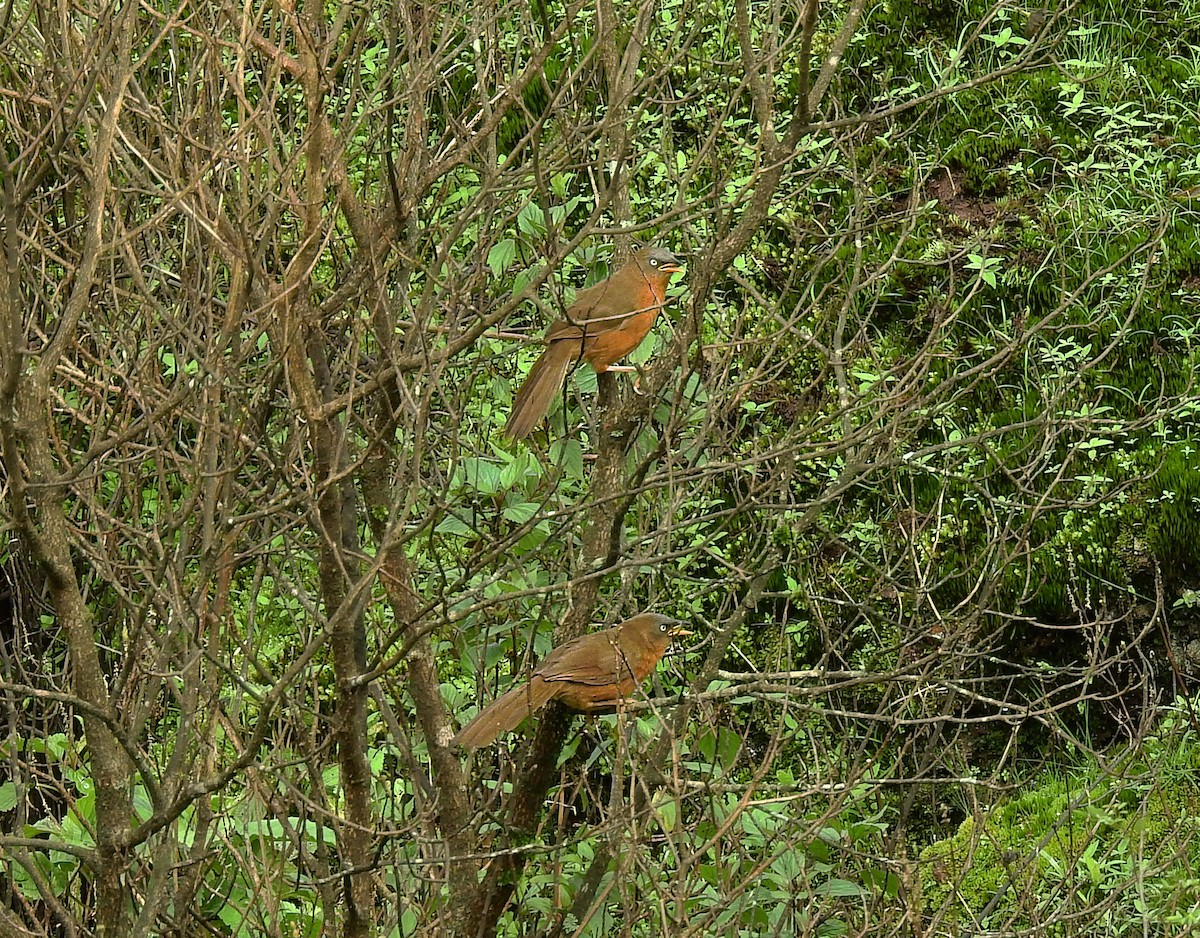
{"x": 504, "y": 714}
{"x": 534, "y": 398}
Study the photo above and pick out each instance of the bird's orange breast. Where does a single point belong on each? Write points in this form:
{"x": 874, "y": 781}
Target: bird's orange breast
{"x": 587, "y": 697}
{"x": 611, "y": 345}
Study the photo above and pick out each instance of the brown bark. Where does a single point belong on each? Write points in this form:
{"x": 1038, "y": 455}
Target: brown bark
{"x": 38, "y": 494}
{"x": 344, "y": 591}
{"x": 257, "y": 193}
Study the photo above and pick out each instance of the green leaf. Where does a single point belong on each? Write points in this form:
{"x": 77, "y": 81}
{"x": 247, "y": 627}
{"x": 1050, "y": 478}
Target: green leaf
{"x": 231, "y": 916}
{"x": 493, "y": 653}
{"x": 559, "y": 183}
{"x": 585, "y": 380}
{"x": 667, "y": 811}
{"x": 567, "y": 454}
{"x": 453, "y": 525}
{"x": 518, "y": 470}
{"x": 531, "y": 220}
{"x": 502, "y": 254}
{"x": 480, "y": 474}
{"x": 522, "y": 279}
{"x": 882, "y": 882}
{"x": 520, "y": 512}
{"x": 840, "y": 888}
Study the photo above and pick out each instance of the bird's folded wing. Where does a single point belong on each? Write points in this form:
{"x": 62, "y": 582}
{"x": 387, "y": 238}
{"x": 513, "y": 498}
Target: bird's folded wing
{"x": 590, "y": 665}
{"x": 563, "y": 330}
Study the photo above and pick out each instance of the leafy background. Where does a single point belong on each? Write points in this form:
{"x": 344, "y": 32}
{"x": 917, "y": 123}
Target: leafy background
{"x": 914, "y": 448}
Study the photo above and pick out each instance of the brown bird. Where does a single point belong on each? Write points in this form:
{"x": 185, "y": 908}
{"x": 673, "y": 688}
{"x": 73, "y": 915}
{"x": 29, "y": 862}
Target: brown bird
{"x": 590, "y": 674}
{"x": 604, "y": 324}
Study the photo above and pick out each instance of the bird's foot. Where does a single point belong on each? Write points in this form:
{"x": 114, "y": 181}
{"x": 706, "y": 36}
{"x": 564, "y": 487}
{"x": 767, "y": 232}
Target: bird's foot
{"x": 637, "y": 382}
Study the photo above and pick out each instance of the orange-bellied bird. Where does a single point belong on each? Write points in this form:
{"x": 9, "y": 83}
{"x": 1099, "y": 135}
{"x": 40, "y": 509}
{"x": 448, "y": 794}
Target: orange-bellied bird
{"x": 591, "y": 674}
{"x": 604, "y": 324}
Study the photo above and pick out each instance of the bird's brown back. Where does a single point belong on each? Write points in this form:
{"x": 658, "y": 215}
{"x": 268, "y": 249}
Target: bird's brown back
{"x": 607, "y": 304}
{"x": 594, "y": 671}
{"x": 590, "y": 673}
{"x": 629, "y": 298}
{"x": 604, "y": 324}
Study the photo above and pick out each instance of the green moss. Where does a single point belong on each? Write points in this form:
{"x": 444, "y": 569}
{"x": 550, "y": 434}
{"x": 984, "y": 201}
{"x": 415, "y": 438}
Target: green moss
{"x": 1074, "y": 841}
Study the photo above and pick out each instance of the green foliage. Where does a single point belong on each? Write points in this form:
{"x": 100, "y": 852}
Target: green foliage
{"x": 821, "y": 883}
{"x": 1080, "y": 839}
{"x": 960, "y": 351}
{"x": 230, "y": 894}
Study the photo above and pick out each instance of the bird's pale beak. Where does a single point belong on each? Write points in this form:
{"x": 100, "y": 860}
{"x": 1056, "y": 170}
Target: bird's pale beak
{"x": 677, "y": 630}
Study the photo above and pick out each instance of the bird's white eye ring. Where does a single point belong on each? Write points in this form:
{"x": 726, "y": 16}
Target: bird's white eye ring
{"x": 654, "y": 262}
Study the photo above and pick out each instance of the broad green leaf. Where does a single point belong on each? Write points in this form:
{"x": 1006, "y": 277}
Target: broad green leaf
{"x": 520, "y": 512}
{"x": 502, "y": 254}
{"x": 841, "y": 888}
